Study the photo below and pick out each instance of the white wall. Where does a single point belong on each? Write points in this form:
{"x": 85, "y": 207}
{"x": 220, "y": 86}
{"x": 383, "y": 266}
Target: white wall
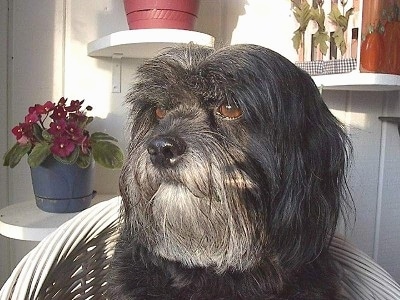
{"x": 47, "y": 40}
{"x": 47, "y": 59}
{"x": 90, "y": 78}
{"x": 4, "y": 242}
{"x": 32, "y": 77}
{"x": 374, "y": 177}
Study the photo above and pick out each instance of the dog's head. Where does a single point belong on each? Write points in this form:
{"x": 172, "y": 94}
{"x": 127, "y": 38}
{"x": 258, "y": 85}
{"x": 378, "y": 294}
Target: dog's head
{"x": 234, "y": 160}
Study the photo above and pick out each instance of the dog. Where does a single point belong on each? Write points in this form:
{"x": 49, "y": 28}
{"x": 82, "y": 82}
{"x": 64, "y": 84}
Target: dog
{"x": 234, "y": 180}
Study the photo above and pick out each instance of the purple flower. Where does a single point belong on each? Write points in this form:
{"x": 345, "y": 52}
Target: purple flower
{"x": 60, "y": 127}
{"x": 45, "y": 108}
{"x": 23, "y": 133}
{"x": 62, "y": 101}
{"x": 62, "y": 146}
{"x": 78, "y": 116}
{"x": 75, "y": 105}
{"x": 74, "y": 131}
{"x": 18, "y": 131}
{"x": 32, "y": 117}
{"x": 59, "y": 113}
{"x": 57, "y": 127}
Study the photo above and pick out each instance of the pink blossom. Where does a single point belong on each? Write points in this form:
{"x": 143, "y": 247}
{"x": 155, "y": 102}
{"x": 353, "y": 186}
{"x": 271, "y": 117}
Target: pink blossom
{"x": 23, "y": 140}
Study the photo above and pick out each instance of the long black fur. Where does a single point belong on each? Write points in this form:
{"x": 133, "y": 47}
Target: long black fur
{"x": 247, "y": 211}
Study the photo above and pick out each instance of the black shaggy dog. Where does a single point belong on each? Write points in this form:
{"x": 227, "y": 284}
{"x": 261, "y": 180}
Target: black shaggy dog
{"x": 234, "y": 181}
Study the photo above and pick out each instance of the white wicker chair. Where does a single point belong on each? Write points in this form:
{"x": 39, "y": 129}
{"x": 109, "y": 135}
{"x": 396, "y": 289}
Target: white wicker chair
{"x": 71, "y": 263}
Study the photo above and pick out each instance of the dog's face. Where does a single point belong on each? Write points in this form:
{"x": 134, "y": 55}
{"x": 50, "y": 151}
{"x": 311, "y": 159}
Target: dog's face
{"x": 234, "y": 160}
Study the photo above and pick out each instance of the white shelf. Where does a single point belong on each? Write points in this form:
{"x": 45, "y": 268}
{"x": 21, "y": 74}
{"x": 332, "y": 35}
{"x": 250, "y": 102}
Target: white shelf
{"x": 25, "y": 221}
{"x": 144, "y": 43}
{"x": 356, "y": 81}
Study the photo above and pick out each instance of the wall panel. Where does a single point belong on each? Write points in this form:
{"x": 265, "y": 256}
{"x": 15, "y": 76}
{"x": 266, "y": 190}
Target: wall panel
{"x": 374, "y": 176}
{"x": 387, "y": 243}
{"x": 4, "y": 242}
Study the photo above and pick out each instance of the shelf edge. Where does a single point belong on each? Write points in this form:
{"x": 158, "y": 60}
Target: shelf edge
{"x": 357, "y": 81}
{"x": 115, "y": 42}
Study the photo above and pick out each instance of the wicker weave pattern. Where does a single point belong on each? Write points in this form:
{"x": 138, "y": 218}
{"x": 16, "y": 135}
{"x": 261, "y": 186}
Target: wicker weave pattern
{"x": 71, "y": 263}
{"x": 363, "y": 278}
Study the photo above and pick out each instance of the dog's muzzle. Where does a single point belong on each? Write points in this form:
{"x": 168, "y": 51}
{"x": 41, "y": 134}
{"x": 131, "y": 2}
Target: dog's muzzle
{"x": 165, "y": 150}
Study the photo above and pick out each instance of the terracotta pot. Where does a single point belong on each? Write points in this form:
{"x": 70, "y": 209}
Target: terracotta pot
{"x": 177, "y": 14}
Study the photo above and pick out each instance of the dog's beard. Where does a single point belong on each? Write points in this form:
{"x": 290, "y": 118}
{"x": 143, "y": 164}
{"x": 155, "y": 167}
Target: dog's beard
{"x": 194, "y": 212}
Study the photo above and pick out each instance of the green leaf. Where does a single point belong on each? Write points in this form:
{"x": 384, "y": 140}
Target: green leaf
{"x": 70, "y": 159}
{"x": 89, "y": 120}
{"x": 343, "y": 47}
{"x": 349, "y": 12}
{"x": 335, "y": 13}
{"x": 342, "y": 22}
{"x": 318, "y": 15}
{"x": 297, "y": 39}
{"x": 338, "y": 38}
{"x": 38, "y": 154}
{"x": 13, "y": 156}
{"x": 83, "y": 160}
{"x": 37, "y": 132}
{"x": 302, "y": 14}
{"x": 107, "y": 154}
{"x": 47, "y": 136}
{"x": 321, "y": 39}
{"x": 337, "y": 18}
{"x": 101, "y": 136}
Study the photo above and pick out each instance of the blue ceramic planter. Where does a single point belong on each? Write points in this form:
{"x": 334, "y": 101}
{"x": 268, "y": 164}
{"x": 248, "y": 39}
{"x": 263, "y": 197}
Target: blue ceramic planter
{"x": 62, "y": 188}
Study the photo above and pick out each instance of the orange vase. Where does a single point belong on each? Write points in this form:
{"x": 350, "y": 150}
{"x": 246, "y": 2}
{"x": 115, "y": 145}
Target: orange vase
{"x": 371, "y": 14}
{"x": 391, "y": 42}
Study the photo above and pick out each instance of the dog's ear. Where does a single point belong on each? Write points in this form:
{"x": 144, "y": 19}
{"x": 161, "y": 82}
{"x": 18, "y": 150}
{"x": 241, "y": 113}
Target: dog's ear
{"x": 304, "y": 180}
{"x": 312, "y": 190}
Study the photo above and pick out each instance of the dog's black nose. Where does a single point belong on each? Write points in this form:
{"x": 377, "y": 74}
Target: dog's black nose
{"x": 165, "y": 150}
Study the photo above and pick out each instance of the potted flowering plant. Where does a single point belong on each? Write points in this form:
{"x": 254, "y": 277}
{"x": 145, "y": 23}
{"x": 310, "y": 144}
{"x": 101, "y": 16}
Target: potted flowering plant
{"x": 61, "y": 152}
{"x": 64, "y": 136}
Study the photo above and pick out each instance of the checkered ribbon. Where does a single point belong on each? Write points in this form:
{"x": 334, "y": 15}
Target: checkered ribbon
{"x": 325, "y": 67}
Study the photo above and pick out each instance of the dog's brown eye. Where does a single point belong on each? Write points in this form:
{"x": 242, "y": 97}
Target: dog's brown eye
{"x": 160, "y": 112}
{"x": 229, "y": 111}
